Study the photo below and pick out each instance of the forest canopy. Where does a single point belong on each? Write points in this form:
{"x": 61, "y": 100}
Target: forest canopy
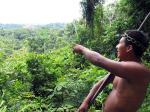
{"x": 38, "y": 70}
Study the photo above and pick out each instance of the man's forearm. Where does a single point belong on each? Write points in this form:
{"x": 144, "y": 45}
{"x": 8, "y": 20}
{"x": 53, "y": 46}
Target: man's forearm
{"x": 92, "y": 92}
{"x": 101, "y": 61}
{"x": 93, "y": 56}
{"x": 95, "y": 88}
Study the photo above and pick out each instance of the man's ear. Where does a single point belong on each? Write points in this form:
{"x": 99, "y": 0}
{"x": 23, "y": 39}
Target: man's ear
{"x": 129, "y": 48}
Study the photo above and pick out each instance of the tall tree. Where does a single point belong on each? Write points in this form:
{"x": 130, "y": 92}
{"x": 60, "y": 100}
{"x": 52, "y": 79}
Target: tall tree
{"x": 88, "y": 7}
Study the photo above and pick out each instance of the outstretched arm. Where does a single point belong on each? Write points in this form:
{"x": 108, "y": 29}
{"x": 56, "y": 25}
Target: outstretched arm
{"x": 128, "y": 70}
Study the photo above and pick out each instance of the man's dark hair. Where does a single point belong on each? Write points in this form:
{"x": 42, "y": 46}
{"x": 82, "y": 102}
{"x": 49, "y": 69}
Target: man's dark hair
{"x": 138, "y": 40}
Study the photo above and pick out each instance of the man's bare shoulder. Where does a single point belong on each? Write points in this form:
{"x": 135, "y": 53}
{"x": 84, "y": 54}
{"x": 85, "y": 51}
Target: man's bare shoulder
{"x": 137, "y": 68}
{"x": 134, "y": 64}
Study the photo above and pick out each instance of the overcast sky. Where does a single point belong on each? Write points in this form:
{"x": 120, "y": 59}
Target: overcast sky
{"x": 39, "y": 11}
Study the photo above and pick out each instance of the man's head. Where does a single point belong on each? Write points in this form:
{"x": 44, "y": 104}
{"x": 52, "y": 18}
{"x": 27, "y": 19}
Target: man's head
{"x": 132, "y": 43}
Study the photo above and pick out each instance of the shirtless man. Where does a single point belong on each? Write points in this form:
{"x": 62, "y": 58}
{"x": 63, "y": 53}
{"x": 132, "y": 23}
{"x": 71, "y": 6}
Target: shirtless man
{"x": 130, "y": 79}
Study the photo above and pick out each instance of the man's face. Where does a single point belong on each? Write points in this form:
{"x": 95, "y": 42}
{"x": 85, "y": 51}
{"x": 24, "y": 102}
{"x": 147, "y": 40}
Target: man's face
{"x": 121, "y": 49}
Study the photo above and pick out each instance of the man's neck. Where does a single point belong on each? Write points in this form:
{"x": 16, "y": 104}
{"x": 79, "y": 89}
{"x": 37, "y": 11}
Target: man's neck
{"x": 132, "y": 58}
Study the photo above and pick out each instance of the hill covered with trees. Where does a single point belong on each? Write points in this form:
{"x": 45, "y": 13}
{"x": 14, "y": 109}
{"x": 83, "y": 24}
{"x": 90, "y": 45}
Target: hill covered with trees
{"x": 40, "y": 73}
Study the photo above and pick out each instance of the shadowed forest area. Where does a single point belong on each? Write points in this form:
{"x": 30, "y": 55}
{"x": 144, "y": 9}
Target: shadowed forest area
{"x": 40, "y": 73}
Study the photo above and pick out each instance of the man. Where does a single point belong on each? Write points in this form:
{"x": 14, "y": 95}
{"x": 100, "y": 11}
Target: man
{"x": 131, "y": 77}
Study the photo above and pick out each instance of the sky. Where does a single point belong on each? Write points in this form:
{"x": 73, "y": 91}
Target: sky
{"x": 39, "y": 11}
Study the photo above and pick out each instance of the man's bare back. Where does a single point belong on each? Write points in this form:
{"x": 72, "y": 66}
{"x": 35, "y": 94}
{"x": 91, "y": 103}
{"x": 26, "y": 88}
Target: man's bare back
{"x": 127, "y": 95}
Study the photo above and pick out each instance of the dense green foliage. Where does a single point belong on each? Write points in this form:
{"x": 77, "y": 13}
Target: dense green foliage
{"x": 38, "y": 70}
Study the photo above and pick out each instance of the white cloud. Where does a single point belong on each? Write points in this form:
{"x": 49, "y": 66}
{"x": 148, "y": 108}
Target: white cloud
{"x": 39, "y": 11}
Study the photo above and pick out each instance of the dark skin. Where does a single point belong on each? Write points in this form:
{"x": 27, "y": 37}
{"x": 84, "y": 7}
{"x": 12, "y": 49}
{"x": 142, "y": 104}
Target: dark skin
{"x": 130, "y": 79}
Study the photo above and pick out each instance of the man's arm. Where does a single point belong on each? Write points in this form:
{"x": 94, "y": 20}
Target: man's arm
{"x": 95, "y": 88}
{"x": 87, "y": 100}
{"x": 128, "y": 70}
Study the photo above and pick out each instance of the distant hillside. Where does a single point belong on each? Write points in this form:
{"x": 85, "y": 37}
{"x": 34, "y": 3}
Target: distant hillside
{"x": 55, "y": 25}
{"x": 16, "y": 26}
{"x": 10, "y": 26}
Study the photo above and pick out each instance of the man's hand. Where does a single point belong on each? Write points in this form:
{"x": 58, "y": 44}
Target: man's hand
{"x": 83, "y": 107}
{"x": 78, "y": 48}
